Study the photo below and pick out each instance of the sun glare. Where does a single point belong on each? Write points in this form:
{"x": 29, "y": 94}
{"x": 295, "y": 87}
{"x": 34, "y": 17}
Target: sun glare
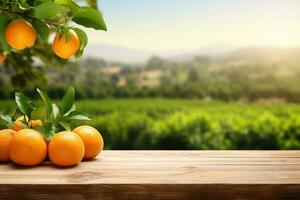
{"x": 278, "y": 39}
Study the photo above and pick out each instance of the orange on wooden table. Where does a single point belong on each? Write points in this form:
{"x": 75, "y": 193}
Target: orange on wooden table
{"x": 66, "y": 149}
{"x": 27, "y": 148}
{"x": 92, "y": 139}
{"x": 5, "y": 139}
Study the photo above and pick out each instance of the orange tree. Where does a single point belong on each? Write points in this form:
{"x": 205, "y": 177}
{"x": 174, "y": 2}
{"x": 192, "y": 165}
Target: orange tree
{"x": 25, "y": 29}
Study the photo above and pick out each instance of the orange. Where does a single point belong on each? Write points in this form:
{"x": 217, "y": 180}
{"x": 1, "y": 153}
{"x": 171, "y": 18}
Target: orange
{"x": 2, "y": 58}
{"x": 66, "y": 149}
{"x": 20, "y": 34}
{"x": 92, "y": 139}
{"x": 65, "y": 49}
{"x": 18, "y": 124}
{"x": 5, "y": 138}
{"x": 32, "y": 123}
{"x": 27, "y": 148}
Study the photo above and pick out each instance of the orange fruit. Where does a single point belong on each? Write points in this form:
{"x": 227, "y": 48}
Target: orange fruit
{"x": 27, "y": 148}
{"x": 33, "y": 123}
{"x": 65, "y": 49}
{"x": 5, "y": 138}
{"x": 18, "y": 124}
{"x": 92, "y": 139}
{"x": 2, "y": 58}
{"x": 20, "y": 34}
{"x": 66, "y": 149}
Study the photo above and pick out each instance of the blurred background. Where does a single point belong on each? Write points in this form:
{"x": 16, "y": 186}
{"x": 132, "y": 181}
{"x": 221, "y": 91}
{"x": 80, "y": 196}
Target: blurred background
{"x": 197, "y": 74}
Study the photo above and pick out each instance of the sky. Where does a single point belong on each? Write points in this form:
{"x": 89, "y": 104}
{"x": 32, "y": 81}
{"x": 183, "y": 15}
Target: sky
{"x": 190, "y": 24}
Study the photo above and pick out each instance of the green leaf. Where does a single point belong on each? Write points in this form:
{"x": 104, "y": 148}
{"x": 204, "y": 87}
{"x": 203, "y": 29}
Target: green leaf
{"x": 65, "y": 125}
{"x": 23, "y": 5}
{"x": 92, "y": 3}
{"x": 55, "y": 113}
{"x": 6, "y": 120}
{"x": 4, "y": 20}
{"x": 24, "y": 104}
{"x": 62, "y": 2}
{"x": 82, "y": 37}
{"x": 76, "y": 115}
{"x": 49, "y": 10}
{"x": 42, "y": 29}
{"x": 39, "y": 113}
{"x": 3, "y": 123}
{"x": 71, "y": 110}
{"x": 45, "y": 99}
{"x": 7, "y": 117}
{"x": 67, "y": 35}
{"x": 69, "y": 4}
{"x": 13, "y": 112}
{"x": 47, "y": 131}
{"x": 68, "y": 100}
{"x": 90, "y": 18}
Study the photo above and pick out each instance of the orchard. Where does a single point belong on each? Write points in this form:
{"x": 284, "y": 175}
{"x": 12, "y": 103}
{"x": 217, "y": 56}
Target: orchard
{"x": 36, "y": 34}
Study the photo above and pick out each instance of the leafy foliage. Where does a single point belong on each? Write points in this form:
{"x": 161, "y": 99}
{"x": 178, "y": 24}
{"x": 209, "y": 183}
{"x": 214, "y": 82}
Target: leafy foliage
{"x": 192, "y": 124}
{"x": 54, "y": 118}
{"x": 57, "y": 118}
{"x": 25, "y": 105}
{"x": 236, "y": 78}
{"x": 46, "y": 16}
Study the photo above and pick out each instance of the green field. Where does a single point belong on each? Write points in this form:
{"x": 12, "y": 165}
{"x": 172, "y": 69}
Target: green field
{"x": 193, "y": 124}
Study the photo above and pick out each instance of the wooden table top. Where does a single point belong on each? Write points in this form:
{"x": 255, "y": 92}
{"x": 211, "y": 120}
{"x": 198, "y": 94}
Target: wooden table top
{"x": 162, "y": 175}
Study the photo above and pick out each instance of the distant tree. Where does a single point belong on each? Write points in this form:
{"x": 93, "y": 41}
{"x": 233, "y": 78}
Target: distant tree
{"x": 155, "y": 63}
{"x": 193, "y": 75}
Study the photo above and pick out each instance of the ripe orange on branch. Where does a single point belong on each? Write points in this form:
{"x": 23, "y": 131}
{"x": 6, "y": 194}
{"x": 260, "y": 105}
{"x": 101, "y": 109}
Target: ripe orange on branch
{"x": 19, "y": 126}
{"x": 27, "y": 148}
{"x": 66, "y": 48}
{"x": 26, "y": 23}
{"x": 20, "y": 34}
{"x": 34, "y": 123}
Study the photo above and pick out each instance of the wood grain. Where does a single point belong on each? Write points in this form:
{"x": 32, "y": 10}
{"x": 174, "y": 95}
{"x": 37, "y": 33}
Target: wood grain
{"x": 161, "y": 175}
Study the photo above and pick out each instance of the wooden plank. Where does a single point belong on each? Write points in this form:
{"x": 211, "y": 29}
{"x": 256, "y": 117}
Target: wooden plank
{"x": 161, "y": 175}
{"x": 210, "y": 154}
{"x": 150, "y": 192}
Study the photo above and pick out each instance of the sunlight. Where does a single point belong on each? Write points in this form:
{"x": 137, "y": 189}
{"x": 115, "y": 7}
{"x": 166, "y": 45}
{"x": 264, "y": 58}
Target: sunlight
{"x": 279, "y": 39}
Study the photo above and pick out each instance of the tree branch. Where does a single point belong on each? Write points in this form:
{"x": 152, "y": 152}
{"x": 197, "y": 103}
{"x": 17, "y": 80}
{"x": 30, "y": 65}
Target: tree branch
{"x": 51, "y": 24}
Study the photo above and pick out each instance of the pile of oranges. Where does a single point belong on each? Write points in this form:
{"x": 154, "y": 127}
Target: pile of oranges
{"x": 27, "y": 147}
{"x": 20, "y": 34}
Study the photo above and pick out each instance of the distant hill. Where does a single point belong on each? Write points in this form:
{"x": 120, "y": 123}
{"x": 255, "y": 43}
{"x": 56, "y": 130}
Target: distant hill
{"x": 220, "y": 52}
{"x": 209, "y": 51}
{"x": 262, "y": 55}
{"x": 115, "y": 53}
{"x": 130, "y": 55}
{"x": 265, "y": 52}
